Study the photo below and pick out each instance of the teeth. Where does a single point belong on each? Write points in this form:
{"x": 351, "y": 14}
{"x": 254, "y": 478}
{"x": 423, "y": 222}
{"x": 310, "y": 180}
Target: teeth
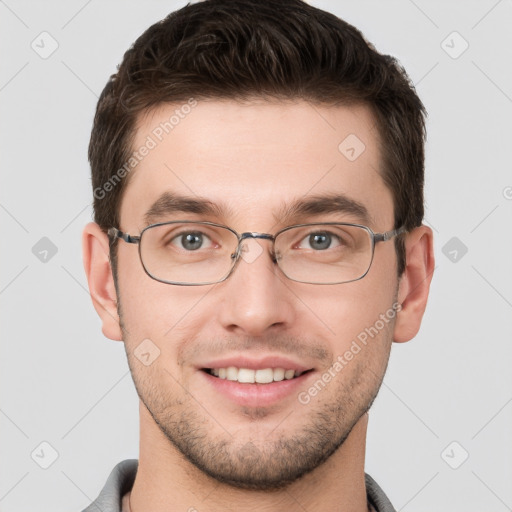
{"x": 289, "y": 374}
{"x": 246, "y": 375}
{"x": 278, "y": 373}
{"x": 231, "y": 373}
{"x": 262, "y": 376}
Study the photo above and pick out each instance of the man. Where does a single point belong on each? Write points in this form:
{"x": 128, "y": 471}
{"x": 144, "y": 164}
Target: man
{"x": 258, "y": 244}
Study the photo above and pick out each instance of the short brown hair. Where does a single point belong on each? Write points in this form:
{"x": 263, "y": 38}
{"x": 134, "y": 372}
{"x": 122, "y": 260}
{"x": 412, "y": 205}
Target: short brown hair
{"x": 241, "y": 49}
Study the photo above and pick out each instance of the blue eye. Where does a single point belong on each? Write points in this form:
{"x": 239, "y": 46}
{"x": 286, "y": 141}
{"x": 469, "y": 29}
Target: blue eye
{"x": 320, "y": 241}
{"x": 191, "y": 240}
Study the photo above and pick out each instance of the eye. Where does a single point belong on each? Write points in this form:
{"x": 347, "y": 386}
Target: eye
{"x": 320, "y": 240}
{"x": 192, "y": 241}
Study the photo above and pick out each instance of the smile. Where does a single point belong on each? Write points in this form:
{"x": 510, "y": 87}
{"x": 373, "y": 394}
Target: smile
{"x": 250, "y": 376}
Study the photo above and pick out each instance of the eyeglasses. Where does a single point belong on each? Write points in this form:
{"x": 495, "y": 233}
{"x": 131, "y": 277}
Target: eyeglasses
{"x": 190, "y": 253}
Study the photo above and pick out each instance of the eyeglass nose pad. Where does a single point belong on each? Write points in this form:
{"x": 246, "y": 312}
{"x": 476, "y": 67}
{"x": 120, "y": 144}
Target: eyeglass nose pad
{"x": 236, "y": 255}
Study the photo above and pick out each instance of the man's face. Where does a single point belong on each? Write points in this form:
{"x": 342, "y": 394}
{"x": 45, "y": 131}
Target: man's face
{"x": 254, "y": 160}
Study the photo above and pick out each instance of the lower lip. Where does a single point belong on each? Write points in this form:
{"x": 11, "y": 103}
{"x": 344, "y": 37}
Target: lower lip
{"x": 258, "y": 395}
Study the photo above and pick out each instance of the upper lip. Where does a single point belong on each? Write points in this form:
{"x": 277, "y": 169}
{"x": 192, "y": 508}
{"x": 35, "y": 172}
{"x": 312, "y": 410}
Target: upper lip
{"x": 270, "y": 361}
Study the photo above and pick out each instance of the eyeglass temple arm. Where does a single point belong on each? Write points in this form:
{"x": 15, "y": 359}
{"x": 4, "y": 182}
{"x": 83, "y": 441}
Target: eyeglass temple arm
{"x": 125, "y": 236}
{"x": 383, "y": 237}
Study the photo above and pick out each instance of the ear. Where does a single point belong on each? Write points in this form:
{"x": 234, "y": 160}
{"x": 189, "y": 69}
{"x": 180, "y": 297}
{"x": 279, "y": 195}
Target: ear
{"x": 414, "y": 283}
{"x": 95, "y": 253}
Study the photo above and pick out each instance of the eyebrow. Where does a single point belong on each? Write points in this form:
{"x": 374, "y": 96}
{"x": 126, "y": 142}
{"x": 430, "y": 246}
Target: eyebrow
{"x": 169, "y": 203}
{"x": 312, "y": 206}
{"x": 324, "y": 204}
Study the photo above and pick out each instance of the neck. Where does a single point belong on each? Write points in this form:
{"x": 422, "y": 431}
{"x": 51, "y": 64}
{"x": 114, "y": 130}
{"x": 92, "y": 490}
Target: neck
{"x": 165, "y": 480}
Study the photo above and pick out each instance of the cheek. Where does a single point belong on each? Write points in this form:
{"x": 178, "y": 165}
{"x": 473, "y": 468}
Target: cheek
{"x": 149, "y": 308}
{"x": 157, "y": 310}
{"x": 352, "y": 306}
{"x": 358, "y": 314}
{"x": 165, "y": 314}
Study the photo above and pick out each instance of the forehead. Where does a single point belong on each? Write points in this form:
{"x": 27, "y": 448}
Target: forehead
{"x": 252, "y": 160}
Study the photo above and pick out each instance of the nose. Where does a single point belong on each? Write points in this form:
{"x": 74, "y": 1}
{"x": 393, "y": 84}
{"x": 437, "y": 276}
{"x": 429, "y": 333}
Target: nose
{"x": 256, "y": 298}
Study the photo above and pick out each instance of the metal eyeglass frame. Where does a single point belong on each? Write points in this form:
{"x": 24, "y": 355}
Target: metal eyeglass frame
{"x": 375, "y": 238}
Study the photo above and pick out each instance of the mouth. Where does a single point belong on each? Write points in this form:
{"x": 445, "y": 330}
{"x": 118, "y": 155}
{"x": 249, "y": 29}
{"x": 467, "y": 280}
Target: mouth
{"x": 255, "y": 376}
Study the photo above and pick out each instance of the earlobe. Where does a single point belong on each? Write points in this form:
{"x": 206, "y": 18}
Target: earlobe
{"x": 95, "y": 253}
{"x": 415, "y": 282}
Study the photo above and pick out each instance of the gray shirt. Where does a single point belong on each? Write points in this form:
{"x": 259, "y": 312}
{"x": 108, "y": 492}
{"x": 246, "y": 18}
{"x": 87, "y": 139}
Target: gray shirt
{"x": 122, "y": 477}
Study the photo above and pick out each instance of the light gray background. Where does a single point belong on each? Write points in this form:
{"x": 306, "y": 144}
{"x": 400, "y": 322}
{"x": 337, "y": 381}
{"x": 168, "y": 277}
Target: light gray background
{"x": 65, "y": 384}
